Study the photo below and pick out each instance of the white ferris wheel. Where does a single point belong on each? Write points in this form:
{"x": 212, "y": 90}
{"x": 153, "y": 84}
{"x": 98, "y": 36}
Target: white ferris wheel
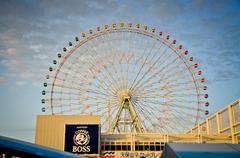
{"x": 137, "y": 79}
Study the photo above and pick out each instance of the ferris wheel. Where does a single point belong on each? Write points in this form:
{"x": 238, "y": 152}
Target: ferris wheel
{"x": 137, "y": 79}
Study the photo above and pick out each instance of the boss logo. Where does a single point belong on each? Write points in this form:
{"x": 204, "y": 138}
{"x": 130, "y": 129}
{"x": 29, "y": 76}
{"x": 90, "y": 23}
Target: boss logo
{"x": 80, "y": 149}
{"x": 81, "y": 137}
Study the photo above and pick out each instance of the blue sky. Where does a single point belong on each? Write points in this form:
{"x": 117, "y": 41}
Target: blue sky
{"x": 32, "y": 32}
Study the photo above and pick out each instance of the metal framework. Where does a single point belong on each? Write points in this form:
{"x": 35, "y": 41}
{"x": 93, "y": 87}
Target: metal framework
{"x": 222, "y": 127}
{"x": 136, "y": 78}
{"x": 128, "y": 107}
{"x": 224, "y": 122}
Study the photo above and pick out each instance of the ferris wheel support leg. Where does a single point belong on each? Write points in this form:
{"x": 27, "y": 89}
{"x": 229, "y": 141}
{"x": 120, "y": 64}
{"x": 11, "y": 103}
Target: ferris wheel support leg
{"x": 126, "y": 104}
{"x": 135, "y": 119}
{"x": 117, "y": 119}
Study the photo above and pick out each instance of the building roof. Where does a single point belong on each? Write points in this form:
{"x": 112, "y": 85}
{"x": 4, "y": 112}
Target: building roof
{"x": 201, "y": 150}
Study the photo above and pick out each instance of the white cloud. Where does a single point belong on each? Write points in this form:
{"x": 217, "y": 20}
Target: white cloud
{"x": 3, "y": 79}
{"x": 11, "y": 51}
{"x": 8, "y": 37}
{"x": 36, "y": 48}
{"x": 20, "y": 83}
{"x": 40, "y": 56}
{"x": 12, "y": 64}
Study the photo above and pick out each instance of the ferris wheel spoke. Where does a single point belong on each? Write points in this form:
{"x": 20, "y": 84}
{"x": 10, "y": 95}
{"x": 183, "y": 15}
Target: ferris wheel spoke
{"x": 115, "y": 71}
{"x": 167, "y": 87}
{"x": 158, "y": 71}
{"x": 61, "y": 92}
{"x": 115, "y": 50}
{"x": 176, "y": 124}
{"x": 113, "y": 84}
{"x": 161, "y": 127}
{"x": 62, "y": 99}
{"x": 181, "y": 100}
{"x": 177, "y": 84}
{"x": 180, "y": 81}
{"x": 94, "y": 74}
{"x": 107, "y": 88}
{"x": 141, "y": 104}
{"x": 185, "y": 107}
{"x": 113, "y": 113}
{"x": 141, "y": 113}
{"x": 171, "y": 64}
{"x": 102, "y": 81}
{"x": 151, "y": 110}
{"x": 182, "y": 95}
{"x": 138, "y": 41}
{"x": 108, "y": 76}
{"x": 154, "y": 75}
{"x": 166, "y": 71}
{"x": 167, "y": 82}
{"x": 187, "y": 120}
{"x": 67, "y": 87}
{"x": 151, "y": 66}
{"x": 120, "y": 58}
{"x": 134, "y": 49}
{"x": 144, "y": 63}
{"x": 73, "y": 82}
{"x": 104, "y": 110}
{"x": 82, "y": 90}
{"x": 101, "y": 109}
{"x": 164, "y": 118}
{"x": 121, "y": 71}
{"x": 68, "y": 72}
{"x": 179, "y": 72}
{"x": 184, "y": 116}
{"x": 128, "y": 57}
{"x": 172, "y": 91}
{"x": 68, "y": 105}
{"x": 180, "y": 123}
{"x": 190, "y": 116}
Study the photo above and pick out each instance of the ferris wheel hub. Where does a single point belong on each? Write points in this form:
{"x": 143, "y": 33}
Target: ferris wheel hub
{"x": 125, "y": 95}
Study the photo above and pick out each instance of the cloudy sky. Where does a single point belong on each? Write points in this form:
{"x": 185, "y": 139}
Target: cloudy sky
{"x": 33, "y": 31}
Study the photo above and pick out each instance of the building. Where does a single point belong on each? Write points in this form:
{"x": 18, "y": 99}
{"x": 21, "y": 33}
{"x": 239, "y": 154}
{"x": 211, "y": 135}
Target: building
{"x": 223, "y": 127}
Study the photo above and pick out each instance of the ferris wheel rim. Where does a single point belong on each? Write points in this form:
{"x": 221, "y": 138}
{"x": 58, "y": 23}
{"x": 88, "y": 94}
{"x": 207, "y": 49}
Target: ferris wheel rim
{"x": 116, "y": 30}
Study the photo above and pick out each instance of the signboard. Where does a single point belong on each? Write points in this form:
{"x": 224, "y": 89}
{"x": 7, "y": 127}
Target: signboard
{"x": 82, "y": 139}
{"x": 129, "y": 154}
